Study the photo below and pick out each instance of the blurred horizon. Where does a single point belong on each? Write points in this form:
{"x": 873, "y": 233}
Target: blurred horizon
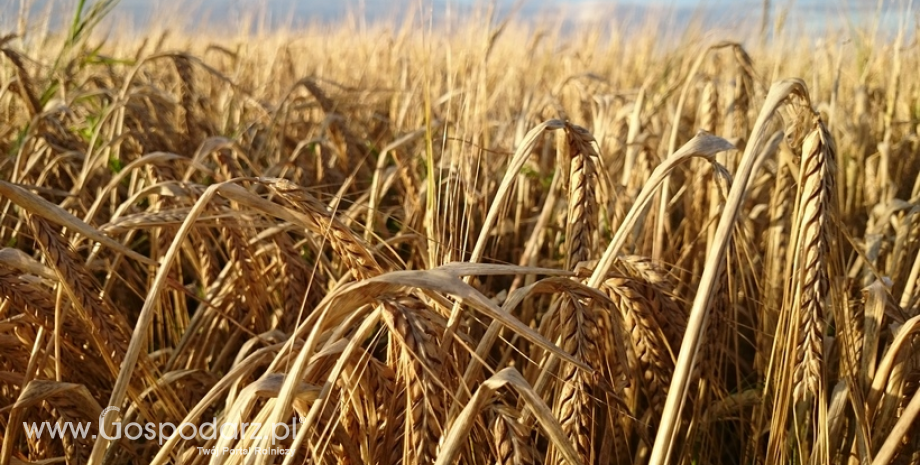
{"x": 819, "y": 17}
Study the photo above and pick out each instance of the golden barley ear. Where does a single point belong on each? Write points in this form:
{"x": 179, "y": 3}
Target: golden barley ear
{"x": 512, "y": 442}
{"x": 351, "y": 248}
{"x": 815, "y": 222}
{"x": 577, "y": 328}
{"x": 809, "y": 299}
{"x": 709, "y": 107}
{"x": 582, "y": 215}
{"x": 108, "y": 329}
{"x": 25, "y": 85}
{"x": 420, "y": 364}
{"x": 68, "y": 403}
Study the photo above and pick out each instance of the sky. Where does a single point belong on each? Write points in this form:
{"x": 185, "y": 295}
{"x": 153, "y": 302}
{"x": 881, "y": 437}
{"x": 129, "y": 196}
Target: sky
{"x": 818, "y": 14}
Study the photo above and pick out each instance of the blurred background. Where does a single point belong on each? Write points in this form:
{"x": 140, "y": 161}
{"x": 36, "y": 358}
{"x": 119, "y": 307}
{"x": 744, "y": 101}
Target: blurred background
{"x": 815, "y": 17}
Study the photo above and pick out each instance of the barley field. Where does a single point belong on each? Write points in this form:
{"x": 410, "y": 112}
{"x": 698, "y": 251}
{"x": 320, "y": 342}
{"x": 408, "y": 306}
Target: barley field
{"x": 506, "y": 243}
